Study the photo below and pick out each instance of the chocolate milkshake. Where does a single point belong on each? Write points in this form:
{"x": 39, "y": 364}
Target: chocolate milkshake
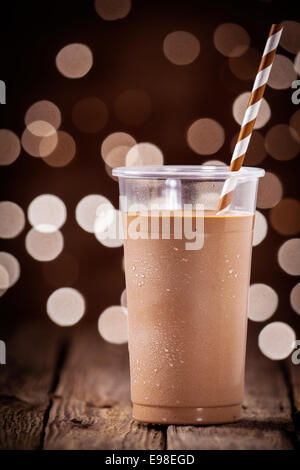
{"x": 187, "y": 314}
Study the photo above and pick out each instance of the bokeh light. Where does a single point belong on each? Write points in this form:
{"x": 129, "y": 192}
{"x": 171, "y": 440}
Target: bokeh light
{"x": 10, "y": 147}
{"x": 231, "y": 39}
{"x": 64, "y": 270}
{"x": 44, "y": 246}
{"x": 295, "y": 298}
{"x": 111, "y": 10}
{"x": 4, "y": 279}
{"x": 66, "y": 306}
{"x": 116, "y": 139}
{"x": 245, "y": 66}
{"x": 109, "y": 170}
{"x": 47, "y": 213}
{"x": 240, "y": 105}
{"x": 281, "y": 143}
{"x": 86, "y": 211}
{"x": 113, "y": 326}
{"x": 112, "y": 236}
{"x": 282, "y": 74}
{"x": 144, "y": 153}
{"x": 12, "y": 219}
{"x": 133, "y": 107}
{"x": 181, "y": 47}
{"x": 295, "y": 125}
{"x": 205, "y": 136}
{"x": 269, "y": 191}
{"x": 290, "y": 38}
{"x": 11, "y": 265}
{"x": 74, "y": 60}
{"x": 123, "y": 299}
{"x": 105, "y": 217}
{"x": 214, "y": 163}
{"x": 277, "y": 340}
{"x": 256, "y": 151}
{"x": 285, "y": 217}
{"x": 297, "y": 63}
{"x": 64, "y": 151}
{"x": 117, "y": 156}
{"x": 90, "y": 115}
{"x": 38, "y": 146}
{"x": 263, "y": 302}
{"x": 41, "y": 128}
{"x": 42, "y": 117}
{"x": 260, "y": 228}
{"x": 289, "y": 256}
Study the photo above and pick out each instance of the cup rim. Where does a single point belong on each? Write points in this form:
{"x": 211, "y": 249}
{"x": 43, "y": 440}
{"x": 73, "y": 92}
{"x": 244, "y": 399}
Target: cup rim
{"x": 186, "y": 172}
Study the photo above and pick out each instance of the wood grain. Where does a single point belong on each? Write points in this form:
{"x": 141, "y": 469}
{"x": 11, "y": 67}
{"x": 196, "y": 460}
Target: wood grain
{"x": 25, "y": 387}
{"x": 293, "y": 376}
{"x": 91, "y": 407}
{"x": 78, "y": 397}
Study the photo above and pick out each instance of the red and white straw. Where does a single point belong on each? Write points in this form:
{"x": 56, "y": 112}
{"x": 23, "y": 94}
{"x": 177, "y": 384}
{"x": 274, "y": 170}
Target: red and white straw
{"x": 250, "y": 115}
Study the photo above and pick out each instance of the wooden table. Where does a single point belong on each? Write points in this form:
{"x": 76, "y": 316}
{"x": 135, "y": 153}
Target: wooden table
{"x": 72, "y": 392}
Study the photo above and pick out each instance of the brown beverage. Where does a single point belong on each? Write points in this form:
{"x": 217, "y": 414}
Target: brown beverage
{"x": 188, "y": 322}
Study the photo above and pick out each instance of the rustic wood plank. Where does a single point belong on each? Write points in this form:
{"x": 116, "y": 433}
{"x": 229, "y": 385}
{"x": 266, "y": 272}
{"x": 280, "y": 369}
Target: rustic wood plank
{"x": 293, "y": 376}
{"x": 266, "y": 422}
{"x": 25, "y": 383}
{"x": 91, "y": 407}
{"x": 294, "y": 372}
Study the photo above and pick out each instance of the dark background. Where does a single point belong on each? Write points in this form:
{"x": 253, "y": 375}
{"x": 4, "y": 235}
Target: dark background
{"x": 127, "y": 55}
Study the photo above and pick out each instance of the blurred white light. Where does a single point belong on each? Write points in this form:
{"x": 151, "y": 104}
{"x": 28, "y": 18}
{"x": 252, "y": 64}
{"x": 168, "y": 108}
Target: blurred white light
{"x": 240, "y": 105}
{"x": 41, "y": 128}
{"x": 181, "y": 47}
{"x": 112, "y": 325}
{"x": 282, "y": 74}
{"x": 47, "y": 213}
{"x": 295, "y": 298}
{"x": 112, "y": 237}
{"x": 12, "y": 219}
{"x": 260, "y": 228}
{"x": 144, "y": 154}
{"x": 10, "y": 147}
{"x": 231, "y": 39}
{"x": 65, "y": 306}
{"x": 37, "y": 146}
{"x": 116, "y": 139}
{"x": 263, "y": 302}
{"x": 205, "y": 136}
{"x": 11, "y": 265}
{"x": 111, "y": 10}
{"x": 42, "y": 118}
{"x": 277, "y": 340}
{"x": 4, "y": 278}
{"x": 123, "y": 299}
{"x": 44, "y": 246}
{"x": 105, "y": 217}
{"x": 214, "y": 163}
{"x": 297, "y": 63}
{"x": 74, "y": 60}
{"x": 289, "y": 256}
{"x": 86, "y": 211}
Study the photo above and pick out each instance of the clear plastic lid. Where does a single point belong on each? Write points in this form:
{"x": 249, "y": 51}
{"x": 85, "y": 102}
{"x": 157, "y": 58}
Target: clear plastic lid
{"x": 186, "y": 172}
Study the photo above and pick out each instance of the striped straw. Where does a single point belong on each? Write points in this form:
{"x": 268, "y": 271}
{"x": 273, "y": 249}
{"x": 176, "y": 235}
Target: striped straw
{"x": 250, "y": 115}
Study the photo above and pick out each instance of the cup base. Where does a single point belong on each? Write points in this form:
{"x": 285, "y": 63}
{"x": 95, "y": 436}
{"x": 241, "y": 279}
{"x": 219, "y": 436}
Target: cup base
{"x": 199, "y": 416}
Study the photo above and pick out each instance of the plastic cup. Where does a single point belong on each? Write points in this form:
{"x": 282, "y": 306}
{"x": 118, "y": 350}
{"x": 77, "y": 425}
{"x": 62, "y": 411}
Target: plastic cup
{"x": 187, "y": 274}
